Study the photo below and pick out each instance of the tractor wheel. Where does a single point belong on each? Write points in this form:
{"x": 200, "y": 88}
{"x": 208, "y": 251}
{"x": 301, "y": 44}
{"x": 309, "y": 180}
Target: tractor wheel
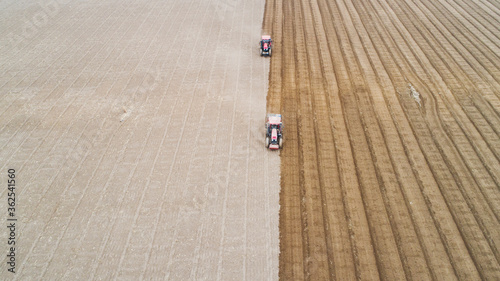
{"x": 281, "y": 142}
{"x": 261, "y": 52}
{"x": 267, "y": 142}
{"x": 270, "y": 51}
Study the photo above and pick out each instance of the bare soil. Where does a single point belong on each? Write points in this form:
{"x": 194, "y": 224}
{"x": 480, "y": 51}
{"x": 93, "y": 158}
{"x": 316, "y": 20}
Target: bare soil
{"x": 390, "y": 168}
{"x": 136, "y": 129}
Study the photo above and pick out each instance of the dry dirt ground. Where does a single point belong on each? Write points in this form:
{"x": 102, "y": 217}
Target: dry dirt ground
{"x": 391, "y": 164}
{"x": 136, "y": 132}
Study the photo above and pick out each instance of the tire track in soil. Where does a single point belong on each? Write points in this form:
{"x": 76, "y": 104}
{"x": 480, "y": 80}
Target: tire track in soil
{"x": 390, "y": 68}
{"x": 469, "y": 70}
{"x": 464, "y": 143}
{"x": 455, "y": 174}
{"x": 462, "y": 87}
{"x": 474, "y": 222}
{"x": 438, "y": 222}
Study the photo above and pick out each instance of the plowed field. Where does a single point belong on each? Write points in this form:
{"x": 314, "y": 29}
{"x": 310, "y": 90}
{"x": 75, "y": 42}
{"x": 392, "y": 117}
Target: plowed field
{"x": 391, "y": 164}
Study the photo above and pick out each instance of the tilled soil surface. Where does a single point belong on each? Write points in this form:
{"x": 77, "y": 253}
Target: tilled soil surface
{"x": 136, "y": 129}
{"x": 391, "y": 161}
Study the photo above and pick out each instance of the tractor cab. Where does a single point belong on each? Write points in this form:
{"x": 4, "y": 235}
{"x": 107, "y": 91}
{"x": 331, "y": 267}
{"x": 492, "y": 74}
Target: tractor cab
{"x": 265, "y": 45}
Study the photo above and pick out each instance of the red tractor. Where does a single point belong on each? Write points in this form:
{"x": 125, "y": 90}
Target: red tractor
{"x": 274, "y": 131}
{"x": 266, "y": 45}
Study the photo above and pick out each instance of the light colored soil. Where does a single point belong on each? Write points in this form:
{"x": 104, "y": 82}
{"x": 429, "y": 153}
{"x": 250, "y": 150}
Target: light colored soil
{"x": 136, "y": 130}
{"x": 380, "y": 181}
